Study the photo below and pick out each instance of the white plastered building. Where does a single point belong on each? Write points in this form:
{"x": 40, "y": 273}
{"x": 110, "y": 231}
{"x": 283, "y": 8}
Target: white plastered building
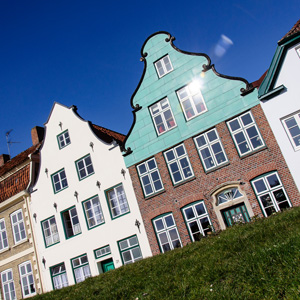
{"x": 83, "y": 208}
{"x": 279, "y": 93}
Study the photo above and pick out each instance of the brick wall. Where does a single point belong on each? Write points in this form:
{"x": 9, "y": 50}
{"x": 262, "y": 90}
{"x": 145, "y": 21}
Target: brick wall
{"x": 202, "y": 186}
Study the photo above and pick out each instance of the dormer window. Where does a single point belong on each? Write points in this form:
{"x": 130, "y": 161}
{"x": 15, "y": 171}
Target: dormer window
{"x": 163, "y": 66}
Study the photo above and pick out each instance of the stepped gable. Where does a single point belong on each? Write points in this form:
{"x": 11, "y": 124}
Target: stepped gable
{"x": 108, "y": 135}
{"x": 19, "y": 179}
{"x": 295, "y": 29}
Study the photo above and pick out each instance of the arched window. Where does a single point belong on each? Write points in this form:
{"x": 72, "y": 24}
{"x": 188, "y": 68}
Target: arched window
{"x": 228, "y": 195}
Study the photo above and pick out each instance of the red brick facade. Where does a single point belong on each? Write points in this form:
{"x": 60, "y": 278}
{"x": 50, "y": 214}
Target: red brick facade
{"x": 203, "y": 185}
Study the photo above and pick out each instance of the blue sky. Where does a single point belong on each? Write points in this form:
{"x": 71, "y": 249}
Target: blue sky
{"x": 86, "y": 53}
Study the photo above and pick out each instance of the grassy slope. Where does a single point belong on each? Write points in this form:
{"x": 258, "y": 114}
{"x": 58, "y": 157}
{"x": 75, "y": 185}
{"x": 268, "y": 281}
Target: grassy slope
{"x": 259, "y": 260}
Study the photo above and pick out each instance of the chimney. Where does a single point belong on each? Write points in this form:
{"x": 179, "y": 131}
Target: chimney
{"x": 3, "y": 159}
{"x": 37, "y": 134}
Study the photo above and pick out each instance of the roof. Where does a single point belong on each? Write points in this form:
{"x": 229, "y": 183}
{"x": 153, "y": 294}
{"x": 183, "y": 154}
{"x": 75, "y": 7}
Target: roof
{"x": 17, "y": 160}
{"x": 257, "y": 83}
{"x": 19, "y": 180}
{"x": 295, "y": 29}
{"x": 107, "y": 134}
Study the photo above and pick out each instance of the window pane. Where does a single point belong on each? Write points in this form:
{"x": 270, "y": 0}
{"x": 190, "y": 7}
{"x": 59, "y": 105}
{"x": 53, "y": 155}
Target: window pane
{"x": 189, "y": 213}
{"x": 273, "y": 180}
{"x": 169, "y": 221}
{"x": 260, "y": 186}
{"x": 200, "y": 209}
{"x": 246, "y": 119}
{"x": 159, "y": 225}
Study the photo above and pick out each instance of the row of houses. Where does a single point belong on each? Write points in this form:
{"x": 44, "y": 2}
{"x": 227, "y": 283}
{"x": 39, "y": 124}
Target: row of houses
{"x": 205, "y": 151}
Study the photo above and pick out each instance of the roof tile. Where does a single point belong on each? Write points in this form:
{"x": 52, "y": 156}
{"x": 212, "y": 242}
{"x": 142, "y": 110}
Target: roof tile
{"x": 295, "y": 29}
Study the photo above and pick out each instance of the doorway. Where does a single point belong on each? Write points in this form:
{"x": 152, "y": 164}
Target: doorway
{"x": 235, "y": 214}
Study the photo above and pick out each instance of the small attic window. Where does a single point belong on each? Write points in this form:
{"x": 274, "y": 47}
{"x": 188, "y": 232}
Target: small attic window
{"x": 163, "y": 66}
{"x": 298, "y": 51}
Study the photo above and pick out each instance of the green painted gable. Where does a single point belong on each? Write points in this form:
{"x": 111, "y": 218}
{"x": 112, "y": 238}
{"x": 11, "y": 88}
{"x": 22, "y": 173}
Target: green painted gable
{"x": 222, "y": 97}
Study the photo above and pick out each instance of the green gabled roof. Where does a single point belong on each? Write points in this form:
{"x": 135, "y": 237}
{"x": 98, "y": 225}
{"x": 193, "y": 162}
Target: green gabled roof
{"x": 290, "y": 39}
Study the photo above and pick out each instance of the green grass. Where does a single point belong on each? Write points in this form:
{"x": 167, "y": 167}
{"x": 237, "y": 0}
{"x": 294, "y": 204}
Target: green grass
{"x": 258, "y": 260}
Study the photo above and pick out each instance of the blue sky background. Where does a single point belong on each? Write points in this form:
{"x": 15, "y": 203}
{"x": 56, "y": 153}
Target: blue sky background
{"x": 87, "y": 53}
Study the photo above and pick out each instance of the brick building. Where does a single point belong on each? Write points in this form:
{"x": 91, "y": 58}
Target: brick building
{"x": 19, "y": 270}
{"x": 200, "y": 151}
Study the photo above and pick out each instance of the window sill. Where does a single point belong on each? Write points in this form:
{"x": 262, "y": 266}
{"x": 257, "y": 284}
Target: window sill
{"x": 20, "y": 243}
{"x": 5, "y": 250}
{"x": 217, "y": 168}
{"x": 253, "y": 152}
{"x": 185, "y": 181}
{"x": 155, "y": 194}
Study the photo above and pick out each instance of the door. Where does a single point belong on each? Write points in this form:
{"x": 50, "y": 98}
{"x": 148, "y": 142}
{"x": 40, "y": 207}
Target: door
{"x": 235, "y": 214}
{"x": 107, "y": 265}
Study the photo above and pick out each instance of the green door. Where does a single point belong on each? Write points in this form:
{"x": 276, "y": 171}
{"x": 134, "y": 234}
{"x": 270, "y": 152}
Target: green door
{"x": 236, "y": 214}
{"x": 107, "y": 265}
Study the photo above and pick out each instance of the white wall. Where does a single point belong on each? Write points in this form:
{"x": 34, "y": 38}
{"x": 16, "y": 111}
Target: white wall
{"x": 283, "y": 105}
{"x": 107, "y": 165}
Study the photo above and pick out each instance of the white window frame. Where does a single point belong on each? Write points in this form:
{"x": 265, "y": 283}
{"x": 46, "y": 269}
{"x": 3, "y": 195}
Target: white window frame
{"x": 163, "y": 66}
{"x": 159, "y": 111}
{"x": 86, "y": 169}
{"x": 93, "y": 214}
{"x": 192, "y": 216}
{"x": 60, "y": 182}
{"x": 60, "y": 278}
{"x": 8, "y": 285}
{"x": 64, "y": 139}
{"x": 130, "y": 250}
{"x": 242, "y": 131}
{"x": 50, "y": 231}
{"x": 177, "y": 161}
{"x": 82, "y": 269}
{"x": 168, "y": 232}
{"x": 3, "y": 236}
{"x": 27, "y": 279}
{"x": 269, "y": 192}
{"x": 298, "y": 51}
{"x": 296, "y": 117}
{"x": 18, "y": 227}
{"x": 120, "y": 206}
{"x": 193, "y": 92}
{"x": 75, "y": 227}
{"x": 150, "y": 177}
{"x": 207, "y": 151}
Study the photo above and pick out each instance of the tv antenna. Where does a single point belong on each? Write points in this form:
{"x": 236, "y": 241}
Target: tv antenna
{"x": 8, "y": 140}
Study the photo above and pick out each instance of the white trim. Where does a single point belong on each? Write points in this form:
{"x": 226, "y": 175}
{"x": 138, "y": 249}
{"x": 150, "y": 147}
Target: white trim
{"x": 163, "y": 66}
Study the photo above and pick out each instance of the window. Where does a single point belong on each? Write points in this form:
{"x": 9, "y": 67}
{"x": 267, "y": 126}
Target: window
{"x": 271, "y": 194}
{"x": 3, "y": 235}
{"x": 163, "y": 66}
{"x": 197, "y": 220}
{"x": 210, "y": 149}
{"x": 162, "y": 116}
{"x": 167, "y": 233}
{"x": 81, "y": 268}
{"x": 27, "y": 282}
{"x": 178, "y": 164}
{"x": 84, "y": 167}
{"x": 59, "y": 181}
{"x": 245, "y": 133}
{"x": 63, "y": 139}
{"x": 71, "y": 222}
{"x": 102, "y": 251}
{"x": 228, "y": 195}
{"x": 191, "y": 101}
{"x": 50, "y": 231}
{"x": 150, "y": 177}
{"x": 59, "y": 276}
{"x": 117, "y": 201}
{"x": 18, "y": 226}
{"x": 298, "y": 51}
{"x": 130, "y": 250}
{"x": 8, "y": 285}
{"x": 292, "y": 127}
{"x": 93, "y": 212}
